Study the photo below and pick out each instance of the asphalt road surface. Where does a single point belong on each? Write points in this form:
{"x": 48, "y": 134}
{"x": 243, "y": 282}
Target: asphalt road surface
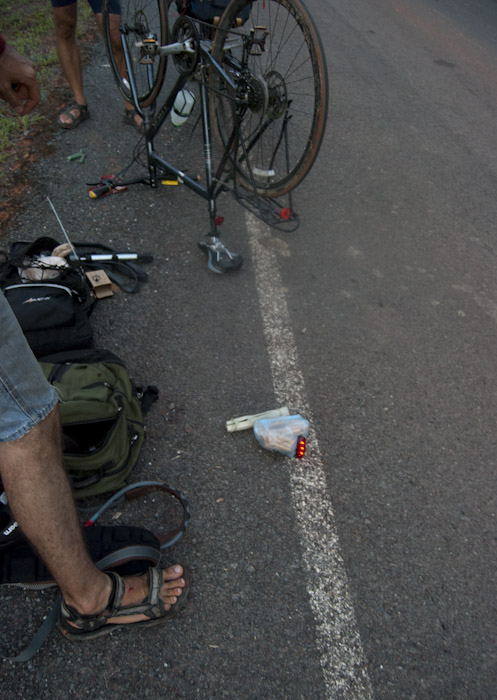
{"x": 368, "y": 569}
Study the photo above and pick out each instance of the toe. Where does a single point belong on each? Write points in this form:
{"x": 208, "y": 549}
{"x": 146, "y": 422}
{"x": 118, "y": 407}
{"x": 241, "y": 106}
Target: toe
{"x": 172, "y": 573}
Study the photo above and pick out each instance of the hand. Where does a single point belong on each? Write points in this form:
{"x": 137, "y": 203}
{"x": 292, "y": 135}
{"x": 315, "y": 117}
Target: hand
{"x": 18, "y": 84}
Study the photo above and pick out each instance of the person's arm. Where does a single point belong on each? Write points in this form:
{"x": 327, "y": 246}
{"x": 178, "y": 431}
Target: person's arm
{"x": 18, "y": 84}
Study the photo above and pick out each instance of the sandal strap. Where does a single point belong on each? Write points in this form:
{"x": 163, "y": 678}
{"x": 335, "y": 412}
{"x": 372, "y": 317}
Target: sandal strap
{"x": 151, "y": 606}
{"x": 155, "y": 605}
{"x": 74, "y": 105}
{"x": 89, "y": 623}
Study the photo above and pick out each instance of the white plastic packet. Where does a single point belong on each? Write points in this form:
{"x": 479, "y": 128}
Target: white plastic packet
{"x": 283, "y": 434}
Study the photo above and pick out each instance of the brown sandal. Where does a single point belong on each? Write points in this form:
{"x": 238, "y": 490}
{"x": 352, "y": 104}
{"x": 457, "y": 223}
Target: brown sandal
{"x": 84, "y": 114}
{"x": 75, "y": 626}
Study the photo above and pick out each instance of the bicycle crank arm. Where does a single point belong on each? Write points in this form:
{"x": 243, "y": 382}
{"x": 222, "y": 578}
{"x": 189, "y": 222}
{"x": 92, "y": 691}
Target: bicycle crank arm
{"x": 176, "y": 48}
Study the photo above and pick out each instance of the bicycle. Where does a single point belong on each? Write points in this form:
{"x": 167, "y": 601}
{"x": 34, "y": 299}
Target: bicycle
{"x": 263, "y": 89}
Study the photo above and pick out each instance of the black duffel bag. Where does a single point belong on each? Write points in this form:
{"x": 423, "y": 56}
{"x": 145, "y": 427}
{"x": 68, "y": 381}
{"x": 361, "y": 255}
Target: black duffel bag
{"x": 53, "y": 311}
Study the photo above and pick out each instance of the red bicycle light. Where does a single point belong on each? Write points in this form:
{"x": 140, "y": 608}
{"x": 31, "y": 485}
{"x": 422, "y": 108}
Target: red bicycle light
{"x": 286, "y": 214}
{"x": 219, "y": 220}
{"x": 301, "y": 444}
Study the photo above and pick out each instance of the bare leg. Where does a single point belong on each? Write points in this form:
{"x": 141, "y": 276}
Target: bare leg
{"x": 65, "y": 19}
{"x": 41, "y": 500}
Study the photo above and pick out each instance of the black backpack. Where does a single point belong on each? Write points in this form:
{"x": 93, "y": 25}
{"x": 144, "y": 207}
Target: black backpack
{"x": 54, "y": 312}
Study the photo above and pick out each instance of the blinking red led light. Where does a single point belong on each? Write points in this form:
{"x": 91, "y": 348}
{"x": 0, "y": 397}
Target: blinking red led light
{"x": 286, "y": 214}
{"x": 301, "y": 444}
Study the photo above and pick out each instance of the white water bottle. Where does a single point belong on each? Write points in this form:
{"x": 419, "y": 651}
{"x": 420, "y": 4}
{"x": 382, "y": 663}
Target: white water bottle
{"x": 183, "y": 105}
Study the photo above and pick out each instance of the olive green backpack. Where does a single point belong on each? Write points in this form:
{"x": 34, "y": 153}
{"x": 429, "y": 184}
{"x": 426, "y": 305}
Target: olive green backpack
{"x": 102, "y": 418}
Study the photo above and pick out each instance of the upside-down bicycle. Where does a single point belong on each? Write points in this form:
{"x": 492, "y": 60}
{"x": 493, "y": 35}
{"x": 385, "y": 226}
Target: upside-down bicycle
{"x": 263, "y": 91}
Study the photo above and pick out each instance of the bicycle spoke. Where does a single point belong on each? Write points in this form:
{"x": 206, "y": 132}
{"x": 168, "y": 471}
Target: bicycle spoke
{"x": 141, "y": 23}
{"x": 276, "y": 61}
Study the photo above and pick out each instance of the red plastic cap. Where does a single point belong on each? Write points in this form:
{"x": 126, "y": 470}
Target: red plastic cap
{"x": 286, "y": 214}
{"x": 219, "y": 220}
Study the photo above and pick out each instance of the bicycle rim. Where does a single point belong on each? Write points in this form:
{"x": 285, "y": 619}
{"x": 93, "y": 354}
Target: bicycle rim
{"x": 283, "y": 73}
{"x": 139, "y": 19}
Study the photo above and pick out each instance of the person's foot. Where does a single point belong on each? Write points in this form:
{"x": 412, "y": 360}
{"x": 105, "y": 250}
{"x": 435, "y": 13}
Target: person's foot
{"x": 72, "y": 116}
{"x": 132, "y": 118}
{"x": 147, "y": 599}
{"x": 137, "y": 590}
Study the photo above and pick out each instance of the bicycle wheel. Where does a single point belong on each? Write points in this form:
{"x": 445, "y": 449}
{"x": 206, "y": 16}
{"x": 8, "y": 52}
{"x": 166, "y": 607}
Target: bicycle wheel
{"x": 132, "y": 22}
{"x": 277, "y": 62}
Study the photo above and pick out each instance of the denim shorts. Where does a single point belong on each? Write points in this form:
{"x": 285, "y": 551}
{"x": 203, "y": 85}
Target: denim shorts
{"x": 96, "y": 5}
{"x": 26, "y": 397}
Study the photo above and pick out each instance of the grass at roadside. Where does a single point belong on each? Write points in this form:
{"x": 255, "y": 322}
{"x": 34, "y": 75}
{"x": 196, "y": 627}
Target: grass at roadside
{"x": 28, "y": 26}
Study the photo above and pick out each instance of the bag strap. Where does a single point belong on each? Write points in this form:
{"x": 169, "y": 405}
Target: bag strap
{"x": 142, "y": 488}
{"x": 169, "y": 538}
{"x": 126, "y": 274}
{"x": 148, "y": 397}
{"x": 125, "y": 554}
{"x": 23, "y": 249}
{"x": 39, "y": 637}
{"x": 114, "y": 559}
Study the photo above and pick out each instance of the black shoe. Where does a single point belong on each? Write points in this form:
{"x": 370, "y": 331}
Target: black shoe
{"x": 219, "y": 258}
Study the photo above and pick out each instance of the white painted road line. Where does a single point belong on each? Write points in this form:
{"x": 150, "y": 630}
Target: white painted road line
{"x": 338, "y": 640}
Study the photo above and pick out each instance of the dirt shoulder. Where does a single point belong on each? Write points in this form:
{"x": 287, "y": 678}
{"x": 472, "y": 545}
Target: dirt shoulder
{"x": 34, "y": 142}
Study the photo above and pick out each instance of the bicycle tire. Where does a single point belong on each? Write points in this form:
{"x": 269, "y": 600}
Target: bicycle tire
{"x": 139, "y": 18}
{"x": 282, "y": 128}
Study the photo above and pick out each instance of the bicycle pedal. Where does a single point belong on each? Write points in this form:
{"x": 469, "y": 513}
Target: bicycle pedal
{"x": 219, "y": 258}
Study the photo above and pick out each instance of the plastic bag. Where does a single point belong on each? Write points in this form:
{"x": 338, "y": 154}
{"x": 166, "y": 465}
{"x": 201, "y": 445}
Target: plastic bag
{"x": 282, "y": 434}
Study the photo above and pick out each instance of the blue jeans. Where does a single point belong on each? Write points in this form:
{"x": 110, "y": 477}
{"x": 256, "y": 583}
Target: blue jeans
{"x": 26, "y": 397}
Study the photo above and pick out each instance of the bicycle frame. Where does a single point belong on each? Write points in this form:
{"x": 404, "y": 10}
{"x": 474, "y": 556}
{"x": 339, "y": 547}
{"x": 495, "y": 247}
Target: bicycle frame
{"x": 158, "y": 167}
